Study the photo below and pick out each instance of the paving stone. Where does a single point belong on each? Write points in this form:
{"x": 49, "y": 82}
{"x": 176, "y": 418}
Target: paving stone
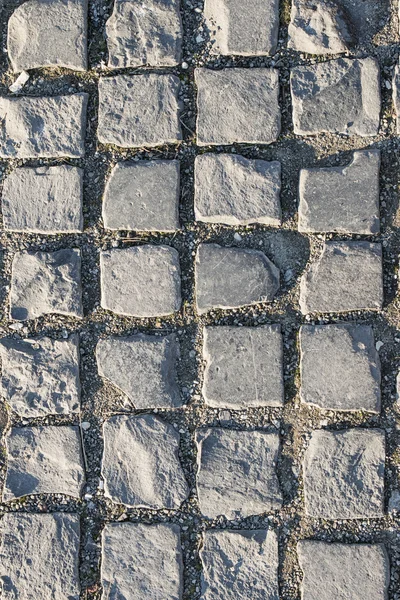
{"x": 236, "y": 474}
{"x": 344, "y": 474}
{"x": 139, "y": 110}
{"x": 143, "y": 196}
{"x": 39, "y": 556}
{"x": 41, "y": 376}
{"x": 44, "y": 460}
{"x": 142, "y": 561}
{"x": 141, "y": 466}
{"x": 142, "y": 281}
{"x": 346, "y": 277}
{"x": 143, "y": 367}
{"x": 244, "y": 366}
{"x": 342, "y": 199}
{"x": 48, "y": 127}
{"x": 233, "y": 190}
{"x": 44, "y": 283}
{"x": 36, "y": 39}
{"x": 237, "y": 105}
{"x": 43, "y": 200}
{"x": 396, "y": 93}
{"x": 338, "y": 96}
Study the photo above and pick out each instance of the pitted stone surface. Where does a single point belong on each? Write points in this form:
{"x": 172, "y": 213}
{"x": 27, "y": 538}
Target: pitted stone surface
{"x": 236, "y": 475}
{"x": 236, "y": 191}
{"x": 39, "y": 556}
{"x": 338, "y": 96}
{"x": 143, "y": 281}
{"x": 237, "y": 105}
{"x": 341, "y": 199}
{"x": 43, "y": 200}
{"x": 143, "y": 367}
{"x": 344, "y": 474}
{"x": 41, "y": 376}
{"x": 139, "y": 110}
{"x": 49, "y": 127}
{"x": 45, "y": 283}
{"x": 141, "y": 466}
{"x": 244, "y": 366}
{"x": 143, "y": 196}
{"x": 233, "y": 277}
{"x": 396, "y": 95}
{"x": 346, "y": 277}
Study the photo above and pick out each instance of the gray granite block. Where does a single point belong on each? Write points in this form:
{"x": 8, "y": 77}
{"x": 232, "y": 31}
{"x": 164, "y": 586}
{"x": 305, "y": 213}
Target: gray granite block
{"x": 396, "y": 94}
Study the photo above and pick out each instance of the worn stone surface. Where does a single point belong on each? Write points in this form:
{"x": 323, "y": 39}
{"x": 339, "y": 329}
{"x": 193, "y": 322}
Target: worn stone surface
{"x": 43, "y": 200}
{"x": 344, "y": 474}
{"x": 143, "y": 196}
{"x": 236, "y": 474}
{"x": 338, "y": 96}
{"x": 237, "y": 105}
{"x": 244, "y": 366}
{"x": 139, "y": 110}
{"x": 346, "y": 277}
{"x": 341, "y": 199}
{"x": 48, "y": 126}
{"x": 41, "y": 376}
{"x": 44, "y": 283}
{"x": 143, "y": 367}
{"x": 142, "y": 281}
{"x": 396, "y": 95}
{"x": 141, "y": 465}
{"x": 233, "y": 190}
{"x": 39, "y": 556}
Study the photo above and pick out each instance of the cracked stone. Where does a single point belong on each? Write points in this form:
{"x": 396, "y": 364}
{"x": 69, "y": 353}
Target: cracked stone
{"x": 396, "y": 95}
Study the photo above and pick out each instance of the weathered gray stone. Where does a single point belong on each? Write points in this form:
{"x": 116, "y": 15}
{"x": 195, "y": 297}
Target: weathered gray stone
{"x": 142, "y": 561}
{"x": 396, "y": 93}
{"x": 236, "y": 475}
{"x": 237, "y": 105}
{"x": 48, "y": 33}
{"x": 233, "y": 277}
{"x": 142, "y": 281}
{"x": 143, "y": 196}
{"x": 141, "y": 466}
{"x": 139, "y": 110}
{"x": 233, "y": 190}
{"x": 49, "y": 127}
{"x": 346, "y": 277}
{"x": 39, "y": 556}
{"x": 344, "y": 474}
{"x": 44, "y": 283}
{"x": 342, "y": 199}
{"x": 41, "y": 376}
{"x": 244, "y": 366}
{"x": 143, "y": 367}
{"x": 338, "y": 96}
{"x": 43, "y": 199}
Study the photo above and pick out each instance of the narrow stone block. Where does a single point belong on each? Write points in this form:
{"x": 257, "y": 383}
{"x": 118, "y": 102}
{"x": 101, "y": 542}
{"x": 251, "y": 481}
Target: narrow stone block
{"x": 396, "y": 95}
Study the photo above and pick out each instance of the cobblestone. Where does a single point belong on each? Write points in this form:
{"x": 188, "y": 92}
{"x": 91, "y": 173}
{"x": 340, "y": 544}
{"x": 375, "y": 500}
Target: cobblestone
{"x": 396, "y": 95}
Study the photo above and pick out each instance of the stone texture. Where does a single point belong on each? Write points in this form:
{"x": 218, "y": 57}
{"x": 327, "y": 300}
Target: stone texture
{"x": 39, "y": 556}
{"x": 396, "y": 93}
{"x": 143, "y": 196}
{"x": 244, "y": 366}
{"x": 139, "y": 110}
{"x": 233, "y": 277}
{"x": 340, "y": 367}
{"x": 233, "y": 190}
{"x": 236, "y": 474}
{"x": 338, "y": 96}
{"x": 45, "y": 283}
{"x": 346, "y": 277}
{"x": 41, "y": 376}
{"x": 48, "y": 127}
{"x": 48, "y": 33}
{"x": 141, "y": 466}
{"x": 341, "y": 199}
{"x": 142, "y": 561}
{"x": 43, "y": 200}
{"x": 237, "y": 105}
{"x": 344, "y": 474}
{"x": 141, "y": 281}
